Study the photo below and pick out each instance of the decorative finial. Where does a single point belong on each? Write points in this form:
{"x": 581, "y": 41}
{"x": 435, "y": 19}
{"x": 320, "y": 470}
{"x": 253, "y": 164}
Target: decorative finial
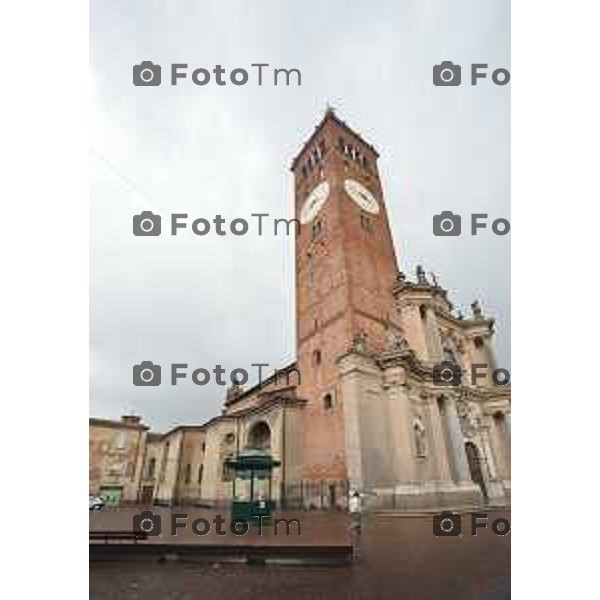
{"x": 434, "y": 279}
{"x": 234, "y": 390}
{"x": 476, "y": 308}
{"x": 329, "y": 109}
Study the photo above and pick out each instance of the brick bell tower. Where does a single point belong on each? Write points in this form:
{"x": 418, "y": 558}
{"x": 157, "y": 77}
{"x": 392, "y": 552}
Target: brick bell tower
{"x": 345, "y": 270}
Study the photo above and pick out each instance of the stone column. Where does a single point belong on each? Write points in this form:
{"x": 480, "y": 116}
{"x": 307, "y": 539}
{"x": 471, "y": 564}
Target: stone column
{"x": 400, "y": 424}
{"x": 439, "y": 450}
{"x": 433, "y": 335}
{"x": 457, "y": 443}
{"x": 507, "y": 453}
{"x": 492, "y": 471}
{"x": 491, "y": 358}
{"x": 494, "y": 453}
{"x": 351, "y": 393}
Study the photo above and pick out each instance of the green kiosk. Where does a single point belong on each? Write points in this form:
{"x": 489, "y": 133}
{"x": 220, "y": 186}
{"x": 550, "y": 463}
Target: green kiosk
{"x": 252, "y": 471}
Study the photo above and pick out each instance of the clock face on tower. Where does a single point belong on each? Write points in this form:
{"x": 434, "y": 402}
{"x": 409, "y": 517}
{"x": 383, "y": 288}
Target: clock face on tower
{"x": 314, "y": 203}
{"x": 362, "y": 196}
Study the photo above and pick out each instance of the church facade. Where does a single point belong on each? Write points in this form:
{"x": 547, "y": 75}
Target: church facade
{"x": 368, "y": 404}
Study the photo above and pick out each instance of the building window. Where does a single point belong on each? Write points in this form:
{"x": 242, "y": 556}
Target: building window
{"x": 188, "y": 473}
{"x": 203, "y": 446}
{"x": 317, "y": 227}
{"x": 120, "y": 440}
{"x": 478, "y": 342}
{"x": 200, "y": 473}
{"x": 366, "y": 223}
{"x": 227, "y": 470}
{"x": 151, "y": 468}
{"x": 327, "y": 402}
{"x": 316, "y": 358}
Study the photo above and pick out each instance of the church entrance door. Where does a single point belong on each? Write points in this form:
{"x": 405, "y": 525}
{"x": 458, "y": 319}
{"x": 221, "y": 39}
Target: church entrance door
{"x": 475, "y": 467}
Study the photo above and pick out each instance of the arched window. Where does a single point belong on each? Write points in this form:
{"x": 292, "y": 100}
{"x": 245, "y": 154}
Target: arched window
{"x": 478, "y": 342}
{"x": 499, "y": 422}
{"x": 188, "y": 473}
{"x": 327, "y": 402}
{"x": 200, "y": 473}
{"x": 365, "y": 223}
{"x": 317, "y": 228}
{"x": 316, "y": 358}
{"x": 259, "y": 436}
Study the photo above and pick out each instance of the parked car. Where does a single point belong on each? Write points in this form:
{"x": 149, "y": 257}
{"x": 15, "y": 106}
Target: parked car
{"x": 96, "y": 502}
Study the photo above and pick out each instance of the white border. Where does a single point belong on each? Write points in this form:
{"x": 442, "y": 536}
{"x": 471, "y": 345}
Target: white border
{"x": 555, "y": 197}
{"x": 44, "y": 251}
{"x": 44, "y": 298}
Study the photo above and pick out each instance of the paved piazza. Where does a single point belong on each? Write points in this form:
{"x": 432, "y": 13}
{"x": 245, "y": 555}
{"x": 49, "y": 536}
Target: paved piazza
{"x": 400, "y": 558}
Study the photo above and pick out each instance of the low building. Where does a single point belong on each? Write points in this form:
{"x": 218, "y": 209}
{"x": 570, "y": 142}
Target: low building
{"x": 116, "y": 452}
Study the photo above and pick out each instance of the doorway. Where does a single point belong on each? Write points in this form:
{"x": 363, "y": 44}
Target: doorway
{"x": 475, "y": 467}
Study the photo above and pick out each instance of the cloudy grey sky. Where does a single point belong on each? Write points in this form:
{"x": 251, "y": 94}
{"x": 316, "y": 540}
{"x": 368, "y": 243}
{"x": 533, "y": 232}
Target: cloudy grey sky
{"x": 227, "y": 150}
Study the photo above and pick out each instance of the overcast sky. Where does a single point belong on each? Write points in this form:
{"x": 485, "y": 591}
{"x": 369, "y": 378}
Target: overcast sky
{"x": 227, "y": 150}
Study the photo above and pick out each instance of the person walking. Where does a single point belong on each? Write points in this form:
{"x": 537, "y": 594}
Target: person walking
{"x": 355, "y": 510}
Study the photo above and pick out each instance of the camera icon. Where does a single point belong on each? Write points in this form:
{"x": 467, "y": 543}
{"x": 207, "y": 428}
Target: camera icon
{"x": 146, "y": 73}
{"x": 447, "y": 373}
{"x": 447, "y": 223}
{"x": 446, "y": 73}
{"x": 146, "y": 373}
{"x": 146, "y": 223}
{"x": 147, "y": 523}
{"x": 447, "y": 524}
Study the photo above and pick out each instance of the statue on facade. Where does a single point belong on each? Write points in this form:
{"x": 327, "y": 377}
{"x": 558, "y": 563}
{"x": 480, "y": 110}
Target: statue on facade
{"x": 476, "y": 308}
{"x": 421, "y": 278}
{"x": 401, "y": 277}
{"x": 360, "y": 342}
{"x": 395, "y": 341}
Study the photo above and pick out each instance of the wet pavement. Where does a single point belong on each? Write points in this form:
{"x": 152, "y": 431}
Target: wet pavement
{"x": 399, "y": 558}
